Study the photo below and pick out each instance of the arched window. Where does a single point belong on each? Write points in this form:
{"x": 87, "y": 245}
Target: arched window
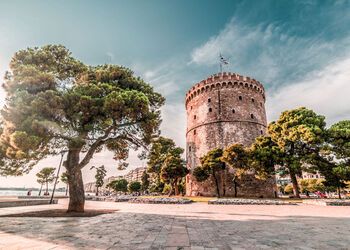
{"x": 210, "y": 109}
{"x": 194, "y": 132}
{"x": 233, "y": 111}
{"x": 209, "y": 100}
{"x": 194, "y": 117}
{"x": 253, "y": 100}
{"x": 252, "y": 116}
{"x": 261, "y": 132}
{"x": 189, "y": 148}
{"x": 240, "y": 98}
{"x": 261, "y": 104}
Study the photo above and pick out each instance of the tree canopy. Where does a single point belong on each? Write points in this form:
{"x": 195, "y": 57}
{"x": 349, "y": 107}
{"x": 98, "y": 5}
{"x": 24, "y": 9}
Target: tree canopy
{"x": 211, "y": 166}
{"x": 333, "y": 159}
{"x": 101, "y": 173}
{"x": 119, "y": 185}
{"x": 134, "y": 186}
{"x": 46, "y": 176}
{"x": 237, "y": 157}
{"x": 160, "y": 149}
{"x": 297, "y": 133}
{"x": 56, "y": 103}
{"x": 173, "y": 169}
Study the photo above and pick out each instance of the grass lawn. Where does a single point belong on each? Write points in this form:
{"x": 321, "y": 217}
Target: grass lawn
{"x": 193, "y": 198}
{"x": 206, "y": 199}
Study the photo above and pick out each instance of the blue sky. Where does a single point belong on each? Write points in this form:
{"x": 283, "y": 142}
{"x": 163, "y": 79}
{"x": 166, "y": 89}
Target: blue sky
{"x": 300, "y": 50}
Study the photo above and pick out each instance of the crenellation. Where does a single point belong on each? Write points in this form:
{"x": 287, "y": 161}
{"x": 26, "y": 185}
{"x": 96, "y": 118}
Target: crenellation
{"x": 225, "y": 108}
{"x": 224, "y": 80}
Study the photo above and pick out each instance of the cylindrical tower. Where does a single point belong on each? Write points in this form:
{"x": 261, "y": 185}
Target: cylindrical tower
{"x": 225, "y": 108}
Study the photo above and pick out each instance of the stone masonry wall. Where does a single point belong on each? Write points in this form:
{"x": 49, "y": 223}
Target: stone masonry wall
{"x": 224, "y": 109}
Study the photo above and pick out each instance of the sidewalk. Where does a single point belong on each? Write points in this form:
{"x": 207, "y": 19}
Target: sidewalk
{"x": 191, "y": 226}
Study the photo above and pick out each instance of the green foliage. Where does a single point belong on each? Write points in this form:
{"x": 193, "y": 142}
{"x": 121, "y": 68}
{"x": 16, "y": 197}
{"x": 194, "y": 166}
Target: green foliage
{"x": 311, "y": 185}
{"x": 173, "y": 169}
{"x": 101, "y": 173}
{"x": 64, "y": 177}
{"x": 211, "y": 166}
{"x": 55, "y": 102}
{"x": 161, "y": 147}
{"x": 212, "y": 160}
{"x": 236, "y": 156}
{"x": 145, "y": 181}
{"x": 288, "y": 189}
{"x": 46, "y": 175}
{"x": 182, "y": 186}
{"x": 333, "y": 157}
{"x": 339, "y": 138}
{"x": 134, "y": 186}
{"x": 120, "y": 185}
{"x": 265, "y": 155}
{"x": 156, "y": 187}
{"x": 201, "y": 174}
{"x": 166, "y": 189}
{"x": 297, "y": 133}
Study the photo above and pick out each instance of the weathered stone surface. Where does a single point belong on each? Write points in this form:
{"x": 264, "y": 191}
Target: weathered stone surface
{"x": 224, "y": 109}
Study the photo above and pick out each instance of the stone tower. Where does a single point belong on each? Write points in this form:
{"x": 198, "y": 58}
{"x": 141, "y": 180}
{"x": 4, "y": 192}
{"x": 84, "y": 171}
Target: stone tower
{"x": 225, "y": 108}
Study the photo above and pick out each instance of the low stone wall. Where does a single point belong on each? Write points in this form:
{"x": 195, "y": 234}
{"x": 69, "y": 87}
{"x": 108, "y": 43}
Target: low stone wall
{"x": 26, "y": 202}
{"x": 123, "y": 198}
{"x": 326, "y": 202}
{"x": 41, "y": 197}
{"x": 248, "y": 202}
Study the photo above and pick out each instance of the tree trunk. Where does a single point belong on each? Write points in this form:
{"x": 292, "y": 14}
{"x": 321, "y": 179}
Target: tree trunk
{"x": 76, "y": 192}
{"x": 75, "y": 182}
{"x": 171, "y": 189}
{"x": 41, "y": 187}
{"x": 66, "y": 189}
{"x": 224, "y": 183}
{"x": 47, "y": 188}
{"x": 235, "y": 186}
{"x": 339, "y": 195}
{"x": 295, "y": 184}
{"x": 217, "y": 185}
{"x": 96, "y": 191}
{"x": 176, "y": 187}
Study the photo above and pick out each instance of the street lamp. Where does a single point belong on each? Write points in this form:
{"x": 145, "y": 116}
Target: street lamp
{"x": 58, "y": 174}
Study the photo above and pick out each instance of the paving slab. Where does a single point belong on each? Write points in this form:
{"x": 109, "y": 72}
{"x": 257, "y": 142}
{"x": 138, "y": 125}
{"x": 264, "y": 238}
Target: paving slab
{"x": 194, "y": 226}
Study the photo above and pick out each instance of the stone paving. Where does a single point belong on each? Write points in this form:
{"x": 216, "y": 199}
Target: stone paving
{"x": 190, "y": 226}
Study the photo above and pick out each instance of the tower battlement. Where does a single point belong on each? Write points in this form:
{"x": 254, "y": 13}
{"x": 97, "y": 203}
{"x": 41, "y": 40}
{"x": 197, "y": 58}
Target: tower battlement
{"x": 223, "y": 109}
{"x": 225, "y": 80}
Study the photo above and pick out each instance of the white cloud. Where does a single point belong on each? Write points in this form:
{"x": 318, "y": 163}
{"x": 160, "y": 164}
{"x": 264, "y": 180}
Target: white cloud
{"x": 326, "y": 92}
{"x": 174, "y": 122}
{"x": 269, "y": 53}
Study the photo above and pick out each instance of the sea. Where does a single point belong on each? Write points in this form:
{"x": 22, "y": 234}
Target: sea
{"x": 11, "y": 192}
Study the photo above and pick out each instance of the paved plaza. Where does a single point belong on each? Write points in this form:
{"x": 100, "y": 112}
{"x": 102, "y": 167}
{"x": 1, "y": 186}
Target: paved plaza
{"x": 194, "y": 226}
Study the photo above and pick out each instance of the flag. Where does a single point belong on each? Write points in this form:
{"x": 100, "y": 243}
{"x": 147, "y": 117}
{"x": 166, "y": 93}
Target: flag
{"x": 223, "y": 60}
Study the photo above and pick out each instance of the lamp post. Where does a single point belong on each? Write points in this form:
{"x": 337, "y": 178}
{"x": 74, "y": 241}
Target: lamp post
{"x": 58, "y": 174}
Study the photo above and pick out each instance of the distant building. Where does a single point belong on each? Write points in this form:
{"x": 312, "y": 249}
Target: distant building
{"x": 285, "y": 180}
{"x": 135, "y": 174}
{"x": 132, "y": 175}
